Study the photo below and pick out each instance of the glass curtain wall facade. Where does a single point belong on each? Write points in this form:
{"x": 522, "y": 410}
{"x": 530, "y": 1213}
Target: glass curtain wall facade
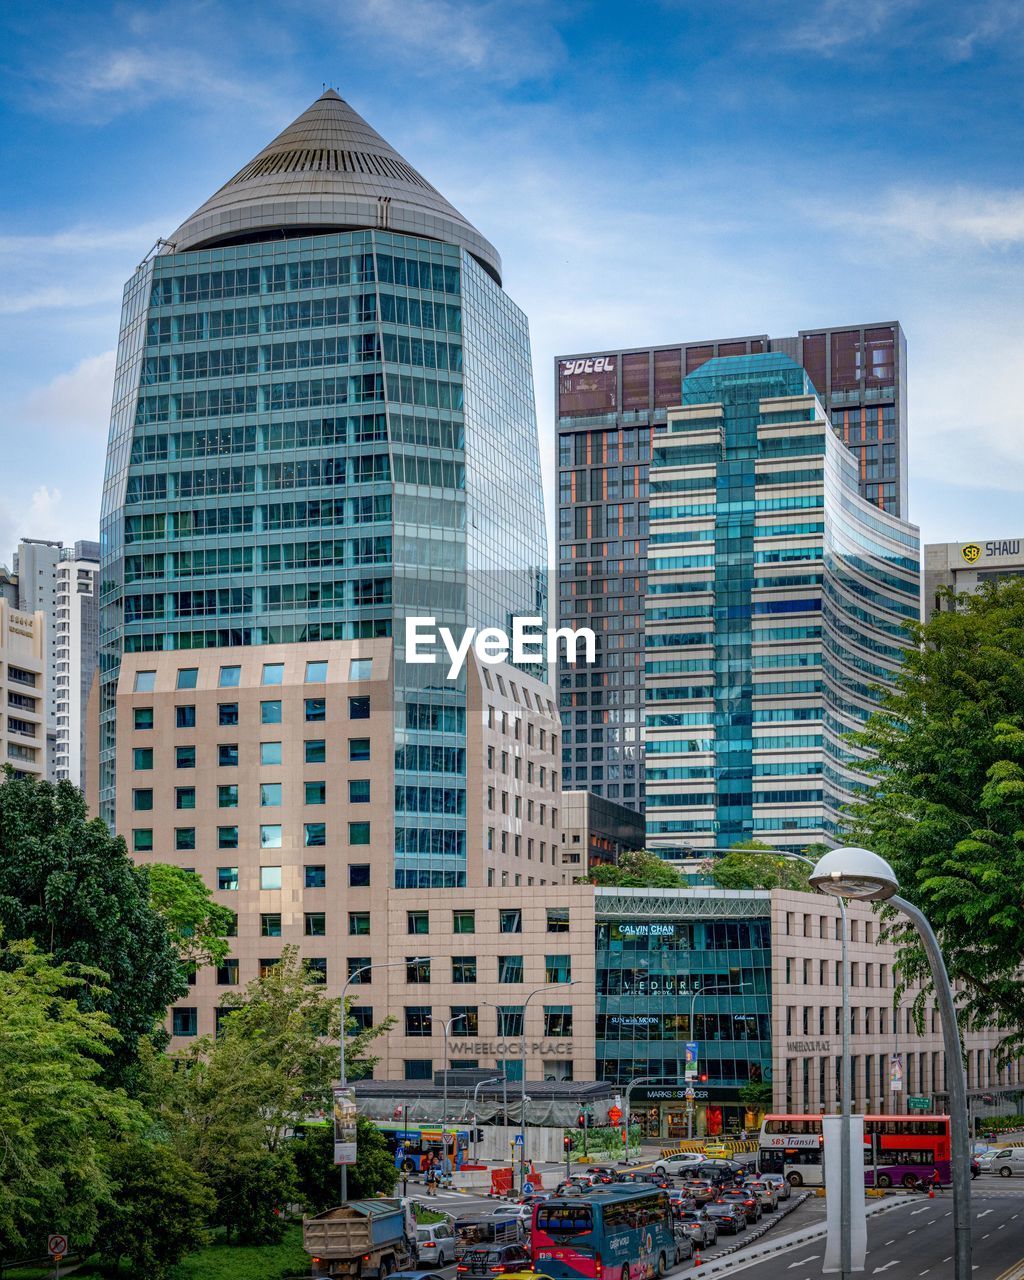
{"x": 777, "y": 600}
{"x": 311, "y": 438}
{"x": 608, "y": 403}
{"x": 661, "y": 956}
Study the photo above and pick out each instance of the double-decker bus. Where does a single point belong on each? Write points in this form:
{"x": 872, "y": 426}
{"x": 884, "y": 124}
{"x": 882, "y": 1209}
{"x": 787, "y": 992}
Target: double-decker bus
{"x": 612, "y": 1234}
{"x": 897, "y": 1149}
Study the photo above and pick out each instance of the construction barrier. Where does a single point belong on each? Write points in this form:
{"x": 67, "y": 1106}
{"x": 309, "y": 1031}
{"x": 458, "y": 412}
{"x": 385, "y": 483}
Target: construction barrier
{"x": 696, "y": 1146}
{"x": 501, "y": 1182}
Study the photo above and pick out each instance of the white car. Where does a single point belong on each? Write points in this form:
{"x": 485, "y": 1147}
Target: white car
{"x": 782, "y": 1188}
{"x": 673, "y": 1166}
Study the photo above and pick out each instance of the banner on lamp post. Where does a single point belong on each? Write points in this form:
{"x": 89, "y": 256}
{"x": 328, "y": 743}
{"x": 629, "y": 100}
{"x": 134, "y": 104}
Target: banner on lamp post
{"x": 692, "y": 1053}
{"x": 896, "y": 1073}
{"x": 344, "y": 1126}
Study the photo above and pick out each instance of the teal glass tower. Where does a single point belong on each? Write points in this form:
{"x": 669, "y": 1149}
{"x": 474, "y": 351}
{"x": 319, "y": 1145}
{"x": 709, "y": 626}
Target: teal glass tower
{"x": 776, "y": 606}
{"x": 324, "y": 421}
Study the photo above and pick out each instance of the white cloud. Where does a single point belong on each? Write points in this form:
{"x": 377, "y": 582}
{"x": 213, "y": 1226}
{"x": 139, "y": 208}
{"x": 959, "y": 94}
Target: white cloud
{"x": 836, "y": 25}
{"x": 511, "y": 41}
{"x": 76, "y": 401}
{"x": 992, "y": 219}
{"x": 82, "y": 239}
{"x": 41, "y": 518}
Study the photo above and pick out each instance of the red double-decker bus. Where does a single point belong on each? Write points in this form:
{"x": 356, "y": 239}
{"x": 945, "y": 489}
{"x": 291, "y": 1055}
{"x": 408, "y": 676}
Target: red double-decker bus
{"x": 897, "y": 1149}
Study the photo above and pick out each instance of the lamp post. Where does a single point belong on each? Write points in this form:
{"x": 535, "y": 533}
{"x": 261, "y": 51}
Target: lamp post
{"x": 476, "y": 1094}
{"x": 357, "y": 973}
{"x": 447, "y": 1024}
{"x": 702, "y": 991}
{"x": 861, "y": 874}
{"x": 522, "y": 1111}
{"x": 845, "y": 1190}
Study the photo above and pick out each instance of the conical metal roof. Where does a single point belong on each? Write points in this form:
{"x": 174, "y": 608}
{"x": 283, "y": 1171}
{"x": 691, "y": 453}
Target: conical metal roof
{"x": 328, "y": 170}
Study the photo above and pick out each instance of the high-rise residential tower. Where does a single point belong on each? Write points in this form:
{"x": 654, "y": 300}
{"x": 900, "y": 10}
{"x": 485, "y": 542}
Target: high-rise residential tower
{"x": 60, "y": 582}
{"x": 777, "y": 601}
{"x": 608, "y": 402}
{"x": 324, "y": 423}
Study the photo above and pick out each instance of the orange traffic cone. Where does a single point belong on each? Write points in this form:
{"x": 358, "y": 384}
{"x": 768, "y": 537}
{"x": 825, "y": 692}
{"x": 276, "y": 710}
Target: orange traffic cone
{"x": 696, "y": 1258}
{"x": 931, "y": 1193}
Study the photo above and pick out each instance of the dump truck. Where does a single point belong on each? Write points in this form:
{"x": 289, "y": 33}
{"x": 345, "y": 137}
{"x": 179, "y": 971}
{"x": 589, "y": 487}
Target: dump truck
{"x": 361, "y": 1239}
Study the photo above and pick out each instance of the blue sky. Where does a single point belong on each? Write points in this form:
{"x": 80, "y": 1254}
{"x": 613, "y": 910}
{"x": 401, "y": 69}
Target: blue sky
{"x": 650, "y": 172}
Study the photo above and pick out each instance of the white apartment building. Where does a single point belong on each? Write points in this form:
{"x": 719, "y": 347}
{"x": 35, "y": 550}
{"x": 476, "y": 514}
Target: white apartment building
{"x": 61, "y": 582}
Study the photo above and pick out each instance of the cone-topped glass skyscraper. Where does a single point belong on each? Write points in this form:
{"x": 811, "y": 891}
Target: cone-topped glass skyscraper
{"x": 323, "y": 421}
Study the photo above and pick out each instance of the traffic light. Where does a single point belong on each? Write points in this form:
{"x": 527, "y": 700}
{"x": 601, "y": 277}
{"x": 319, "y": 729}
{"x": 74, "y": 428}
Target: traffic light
{"x": 704, "y": 1078}
{"x": 567, "y": 1143}
{"x": 479, "y": 1135}
{"x": 581, "y": 1120}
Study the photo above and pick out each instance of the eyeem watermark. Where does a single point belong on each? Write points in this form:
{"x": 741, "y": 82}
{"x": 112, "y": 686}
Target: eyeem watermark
{"x": 529, "y": 642}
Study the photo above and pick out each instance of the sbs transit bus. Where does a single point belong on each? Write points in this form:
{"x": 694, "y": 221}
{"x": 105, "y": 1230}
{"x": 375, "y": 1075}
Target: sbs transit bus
{"x": 611, "y": 1234}
{"x": 897, "y": 1149}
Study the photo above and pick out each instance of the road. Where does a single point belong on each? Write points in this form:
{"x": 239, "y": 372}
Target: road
{"x": 916, "y": 1241}
{"x": 913, "y": 1242}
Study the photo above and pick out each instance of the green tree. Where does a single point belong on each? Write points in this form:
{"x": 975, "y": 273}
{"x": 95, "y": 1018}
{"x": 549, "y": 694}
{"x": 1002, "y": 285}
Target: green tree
{"x": 373, "y": 1173}
{"x": 947, "y": 807}
{"x": 57, "y": 1121}
{"x": 637, "y": 870}
{"x": 750, "y": 865}
{"x": 229, "y": 1103}
{"x": 69, "y": 885}
{"x": 198, "y": 926}
{"x": 756, "y": 1094}
{"x": 158, "y": 1212}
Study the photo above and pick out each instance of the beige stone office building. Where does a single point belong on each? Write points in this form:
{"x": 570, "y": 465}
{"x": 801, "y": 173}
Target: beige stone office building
{"x": 23, "y": 690}
{"x": 964, "y": 566}
{"x": 270, "y": 772}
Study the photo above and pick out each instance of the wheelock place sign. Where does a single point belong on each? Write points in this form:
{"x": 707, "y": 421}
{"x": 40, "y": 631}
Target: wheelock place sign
{"x": 808, "y": 1046}
{"x": 511, "y": 1048}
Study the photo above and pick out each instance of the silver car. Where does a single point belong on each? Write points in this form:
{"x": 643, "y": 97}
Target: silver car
{"x": 765, "y": 1192}
{"x": 782, "y": 1188}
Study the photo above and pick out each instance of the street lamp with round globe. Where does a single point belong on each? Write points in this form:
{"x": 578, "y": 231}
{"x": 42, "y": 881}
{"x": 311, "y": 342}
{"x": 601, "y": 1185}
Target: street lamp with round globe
{"x": 858, "y": 873}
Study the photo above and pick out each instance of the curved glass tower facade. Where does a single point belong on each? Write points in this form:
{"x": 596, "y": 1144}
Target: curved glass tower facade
{"x": 324, "y": 421}
{"x": 777, "y": 598}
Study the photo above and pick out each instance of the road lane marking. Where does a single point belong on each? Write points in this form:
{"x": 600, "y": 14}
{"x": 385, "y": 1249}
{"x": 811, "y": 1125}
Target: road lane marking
{"x": 924, "y": 1209}
{"x": 889, "y": 1242}
{"x": 895, "y": 1263}
{"x": 984, "y": 1213}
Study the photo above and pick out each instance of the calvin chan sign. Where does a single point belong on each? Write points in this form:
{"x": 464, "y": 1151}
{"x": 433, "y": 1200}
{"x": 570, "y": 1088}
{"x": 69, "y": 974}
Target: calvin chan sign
{"x": 972, "y": 552}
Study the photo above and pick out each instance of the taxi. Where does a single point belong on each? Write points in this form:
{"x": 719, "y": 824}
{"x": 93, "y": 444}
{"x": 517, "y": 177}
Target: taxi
{"x": 718, "y": 1151}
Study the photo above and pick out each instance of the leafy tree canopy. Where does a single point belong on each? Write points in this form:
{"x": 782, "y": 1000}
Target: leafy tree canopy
{"x": 947, "y": 810}
{"x": 57, "y": 1120}
{"x": 637, "y": 870}
{"x": 230, "y": 1110}
{"x": 750, "y": 865}
{"x": 373, "y": 1173}
{"x": 67, "y": 884}
{"x": 198, "y": 925}
{"x": 159, "y": 1212}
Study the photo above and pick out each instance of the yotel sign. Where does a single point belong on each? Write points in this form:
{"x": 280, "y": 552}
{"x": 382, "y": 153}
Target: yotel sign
{"x": 594, "y": 364}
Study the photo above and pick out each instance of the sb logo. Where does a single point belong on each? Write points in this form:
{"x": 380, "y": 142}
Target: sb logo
{"x": 971, "y": 552}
